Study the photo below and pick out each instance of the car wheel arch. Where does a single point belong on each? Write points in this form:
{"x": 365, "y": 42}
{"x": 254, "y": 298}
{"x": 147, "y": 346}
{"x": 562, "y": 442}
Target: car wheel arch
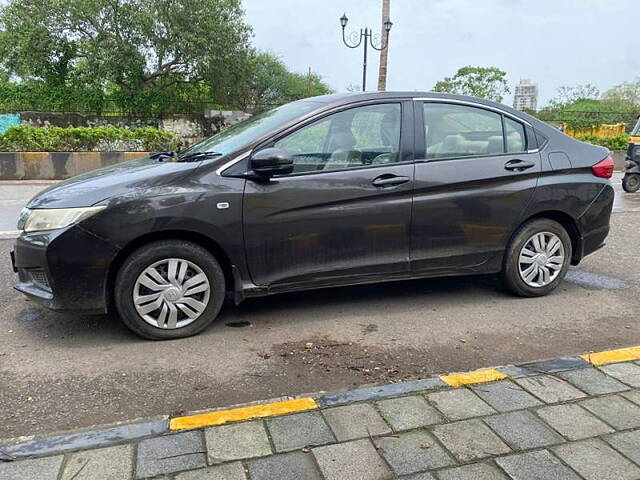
{"x": 564, "y": 219}
{"x": 199, "y": 239}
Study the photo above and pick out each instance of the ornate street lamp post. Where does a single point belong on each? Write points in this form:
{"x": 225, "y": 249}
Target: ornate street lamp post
{"x": 366, "y": 38}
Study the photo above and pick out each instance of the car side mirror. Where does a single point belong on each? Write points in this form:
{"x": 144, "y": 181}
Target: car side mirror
{"x": 271, "y": 161}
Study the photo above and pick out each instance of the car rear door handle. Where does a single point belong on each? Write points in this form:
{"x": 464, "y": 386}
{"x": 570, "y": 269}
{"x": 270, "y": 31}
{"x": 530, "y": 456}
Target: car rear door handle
{"x": 388, "y": 180}
{"x": 519, "y": 165}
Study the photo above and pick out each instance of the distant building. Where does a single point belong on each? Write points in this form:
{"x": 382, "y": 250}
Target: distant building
{"x": 526, "y": 96}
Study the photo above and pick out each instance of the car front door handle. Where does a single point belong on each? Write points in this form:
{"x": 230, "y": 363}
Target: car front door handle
{"x": 519, "y": 165}
{"x": 388, "y": 180}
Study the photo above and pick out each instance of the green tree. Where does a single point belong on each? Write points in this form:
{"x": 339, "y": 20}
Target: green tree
{"x": 145, "y": 56}
{"x": 273, "y": 84}
{"x": 570, "y": 94}
{"x": 482, "y": 82}
{"x": 136, "y": 44}
{"x": 627, "y": 92}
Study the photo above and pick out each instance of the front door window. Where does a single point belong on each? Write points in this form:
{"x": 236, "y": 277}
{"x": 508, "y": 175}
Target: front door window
{"x": 354, "y": 138}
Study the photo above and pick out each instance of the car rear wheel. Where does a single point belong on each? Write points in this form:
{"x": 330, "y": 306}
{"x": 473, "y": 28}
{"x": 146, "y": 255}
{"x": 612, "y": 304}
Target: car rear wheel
{"x": 169, "y": 289}
{"x": 537, "y": 258}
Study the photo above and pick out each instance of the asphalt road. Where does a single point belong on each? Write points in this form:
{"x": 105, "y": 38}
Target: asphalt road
{"x": 13, "y": 196}
{"x": 64, "y": 371}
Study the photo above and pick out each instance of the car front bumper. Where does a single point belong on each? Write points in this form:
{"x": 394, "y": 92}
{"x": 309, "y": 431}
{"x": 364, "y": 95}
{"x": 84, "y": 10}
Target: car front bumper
{"x": 65, "y": 269}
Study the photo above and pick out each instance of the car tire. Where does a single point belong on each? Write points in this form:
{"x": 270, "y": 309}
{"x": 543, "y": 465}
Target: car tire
{"x": 519, "y": 265}
{"x": 189, "y": 262}
{"x": 631, "y": 182}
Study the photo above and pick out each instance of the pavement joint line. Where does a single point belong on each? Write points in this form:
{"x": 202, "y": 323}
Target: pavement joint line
{"x": 483, "y": 375}
{"x": 221, "y": 417}
{"x": 612, "y": 356}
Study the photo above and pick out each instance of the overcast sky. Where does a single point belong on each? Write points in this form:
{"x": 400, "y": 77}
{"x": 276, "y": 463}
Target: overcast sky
{"x": 552, "y": 42}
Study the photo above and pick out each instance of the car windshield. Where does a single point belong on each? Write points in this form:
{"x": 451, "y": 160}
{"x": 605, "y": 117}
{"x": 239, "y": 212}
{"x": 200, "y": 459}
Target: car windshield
{"x": 636, "y": 130}
{"x": 235, "y": 137}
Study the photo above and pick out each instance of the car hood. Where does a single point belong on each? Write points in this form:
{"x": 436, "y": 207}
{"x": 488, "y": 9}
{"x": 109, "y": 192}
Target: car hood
{"x": 124, "y": 178}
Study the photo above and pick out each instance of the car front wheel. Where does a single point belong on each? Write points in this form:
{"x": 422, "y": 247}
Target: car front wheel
{"x": 169, "y": 289}
{"x": 537, "y": 258}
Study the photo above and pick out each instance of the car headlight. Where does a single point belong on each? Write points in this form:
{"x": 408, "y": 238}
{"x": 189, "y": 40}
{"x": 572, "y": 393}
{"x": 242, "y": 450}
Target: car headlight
{"x": 41, "y": 219}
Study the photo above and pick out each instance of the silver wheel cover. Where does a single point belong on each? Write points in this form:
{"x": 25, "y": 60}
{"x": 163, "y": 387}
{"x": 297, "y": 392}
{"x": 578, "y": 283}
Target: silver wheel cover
{"x": 541, "y": 259}
{"x": 171, "y": 293}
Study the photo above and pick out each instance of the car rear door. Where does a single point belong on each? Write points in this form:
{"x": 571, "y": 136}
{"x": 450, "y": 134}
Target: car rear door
{"x": 344, "y": 213}
{"x": 476, "y": 171}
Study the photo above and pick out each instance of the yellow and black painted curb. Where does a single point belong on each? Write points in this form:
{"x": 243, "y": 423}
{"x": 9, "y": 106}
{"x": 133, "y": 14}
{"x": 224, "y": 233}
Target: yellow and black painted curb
{"x": 120, "y": 433}
{"x": 484, "y": 375}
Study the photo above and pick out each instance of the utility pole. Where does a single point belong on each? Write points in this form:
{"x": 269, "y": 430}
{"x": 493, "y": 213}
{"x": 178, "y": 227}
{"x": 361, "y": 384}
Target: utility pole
{"x": 384, "y": 53}
{"x": 309, "y": 83}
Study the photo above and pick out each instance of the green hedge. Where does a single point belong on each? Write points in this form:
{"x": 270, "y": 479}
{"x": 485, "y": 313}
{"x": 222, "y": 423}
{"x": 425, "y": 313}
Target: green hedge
{"x": 619, "y": 142}
{"x": 24, "y": 138}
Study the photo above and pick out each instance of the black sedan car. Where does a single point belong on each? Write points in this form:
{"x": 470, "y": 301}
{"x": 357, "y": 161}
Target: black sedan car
{"x": 326, "y": 191}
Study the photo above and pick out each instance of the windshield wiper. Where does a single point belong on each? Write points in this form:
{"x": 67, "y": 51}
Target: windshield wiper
{"x": 161, "y": 156}
{"x": 198, "y": 156}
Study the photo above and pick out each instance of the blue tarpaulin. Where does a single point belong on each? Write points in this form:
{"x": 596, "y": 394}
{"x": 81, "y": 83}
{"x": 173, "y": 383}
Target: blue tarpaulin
{"x": 7, "y": 120}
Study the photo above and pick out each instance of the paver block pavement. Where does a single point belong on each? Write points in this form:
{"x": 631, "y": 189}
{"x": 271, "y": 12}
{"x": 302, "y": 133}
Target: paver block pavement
{"x": 356, "y": 460}
{"x": 593, "y": 381}
{"x": 293, "y": 432}
{"x": 628, "y": 373}
{"x": 573, "y": 421}
{"x": 550, "y": 389}
{"x": 407, "y": 413}
{"x": 470, "y": 440}
{"x": 555, "y": 364}
{"x": 111, "y": 463}
{"x": 418, "y": 476}
{"x": 618, "y": 412}
{"x": 459, "y": 404}
{"x": 170, "y": 453}
{"x": 505, "y": 396}
{"x": 237, "y": 441}
{"x": 285, "y": 466}
{"x": 355, "y": 421}
{"x": 413, "y": 452}
{"x": 228, "y": 471}
{"x": 477, "y": 471}
{"x": 633, "y": 395}
{"x": 536, "y": 466}
{"x": 523, "y": 430}
{"x": 627, "y": 443}
{"x": 46, "y": 468}
{"x": 595, "y": 460}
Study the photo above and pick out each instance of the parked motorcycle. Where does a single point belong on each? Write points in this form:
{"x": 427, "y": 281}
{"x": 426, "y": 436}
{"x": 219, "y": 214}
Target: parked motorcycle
{"x": 631, "y": 179}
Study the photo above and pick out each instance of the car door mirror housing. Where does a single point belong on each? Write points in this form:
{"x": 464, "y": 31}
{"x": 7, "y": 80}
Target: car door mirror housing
{"x": 270, "y": 162}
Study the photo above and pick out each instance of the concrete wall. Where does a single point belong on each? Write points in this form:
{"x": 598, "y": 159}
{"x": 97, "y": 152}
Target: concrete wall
{"x": 57, "y": 165}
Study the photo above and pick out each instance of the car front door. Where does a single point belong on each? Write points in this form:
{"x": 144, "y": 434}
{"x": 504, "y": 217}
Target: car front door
{"x": 343, "y": 215}
{"x": 475, "y": 174}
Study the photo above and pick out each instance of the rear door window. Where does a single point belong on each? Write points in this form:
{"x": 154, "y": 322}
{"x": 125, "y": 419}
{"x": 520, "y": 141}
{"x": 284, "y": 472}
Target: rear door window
{"x": 460, "y": 131}
{"x": 516, "y": 139}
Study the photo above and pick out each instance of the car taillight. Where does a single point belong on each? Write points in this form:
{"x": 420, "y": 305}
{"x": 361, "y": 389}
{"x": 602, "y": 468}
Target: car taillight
{"x": 603, "y": 169}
